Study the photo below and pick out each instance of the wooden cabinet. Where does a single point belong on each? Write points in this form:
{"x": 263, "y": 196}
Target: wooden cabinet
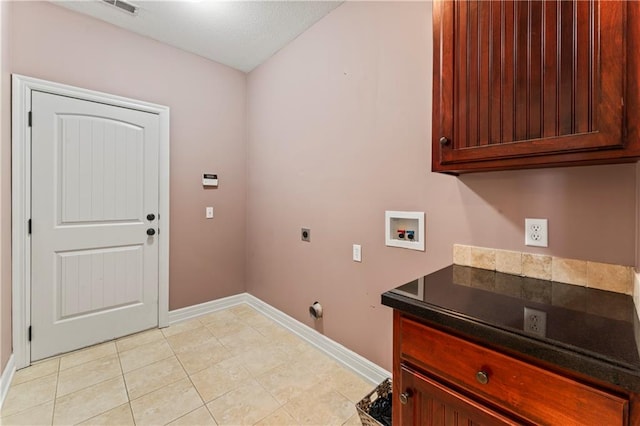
{"x": 429, "y": 403}
{"x": 522, "y": 84}
{"x": 440, "y": 378}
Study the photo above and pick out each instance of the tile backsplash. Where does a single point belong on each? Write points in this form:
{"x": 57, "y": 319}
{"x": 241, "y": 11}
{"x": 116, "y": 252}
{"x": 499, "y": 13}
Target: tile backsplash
{"x": 603, "y": 276}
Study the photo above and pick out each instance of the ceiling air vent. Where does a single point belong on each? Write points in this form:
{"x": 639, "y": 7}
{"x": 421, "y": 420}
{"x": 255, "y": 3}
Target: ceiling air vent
{"x": 123, "y": 6}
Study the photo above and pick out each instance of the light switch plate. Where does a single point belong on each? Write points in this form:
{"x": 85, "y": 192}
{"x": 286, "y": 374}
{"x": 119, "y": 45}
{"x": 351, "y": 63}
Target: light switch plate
{"x": 209, "y": 212}
{"x": 357, "y": 253}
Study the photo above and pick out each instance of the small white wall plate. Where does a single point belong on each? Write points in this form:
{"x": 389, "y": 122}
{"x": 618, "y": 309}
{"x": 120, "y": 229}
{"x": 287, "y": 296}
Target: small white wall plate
{"x": 411, "y": 222}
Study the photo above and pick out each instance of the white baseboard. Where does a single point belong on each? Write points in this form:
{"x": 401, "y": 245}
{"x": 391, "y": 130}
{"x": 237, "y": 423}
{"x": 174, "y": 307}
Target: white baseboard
{"x": 6, "y": 378}
{"x": 346, "y": 357}
{"x": 184, "y": 314}
{"x": 349, "y": 359}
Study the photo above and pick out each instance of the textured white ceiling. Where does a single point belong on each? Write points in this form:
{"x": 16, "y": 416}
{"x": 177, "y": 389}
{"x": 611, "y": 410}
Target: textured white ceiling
{"x": 240, "y": 34}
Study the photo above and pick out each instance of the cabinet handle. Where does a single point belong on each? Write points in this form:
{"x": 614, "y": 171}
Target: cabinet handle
{"x": 444, "y": 141}
{"x": 404, "y": 397}
{"x": 482, "y": 377}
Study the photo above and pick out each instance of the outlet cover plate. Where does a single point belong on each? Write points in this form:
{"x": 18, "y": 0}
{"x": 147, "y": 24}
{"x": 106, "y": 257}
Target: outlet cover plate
{"x": 305, "y": 234}
{"x": 536, "y": 232}
{"x": 535, "y": 321}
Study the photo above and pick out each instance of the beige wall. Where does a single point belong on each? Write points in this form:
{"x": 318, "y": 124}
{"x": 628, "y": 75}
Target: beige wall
{"x": 339, "y": 132}
{"x": 5, "y": 188}
{"x": 207, "y": 102}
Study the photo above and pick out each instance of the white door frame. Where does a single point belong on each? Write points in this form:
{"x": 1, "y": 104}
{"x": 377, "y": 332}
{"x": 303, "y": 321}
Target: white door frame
{"x": 22, "y": 87}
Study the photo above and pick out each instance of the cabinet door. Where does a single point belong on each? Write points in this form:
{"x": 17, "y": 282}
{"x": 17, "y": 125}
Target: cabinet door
{"x": 523, "y": 79}
{"x": 430, "y": 403}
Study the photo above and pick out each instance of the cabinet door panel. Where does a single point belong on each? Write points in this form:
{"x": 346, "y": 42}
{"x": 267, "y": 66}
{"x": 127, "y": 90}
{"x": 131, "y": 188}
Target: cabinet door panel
{"x": 526, "y": 78}
{"x": 431, "y": 403}
{"x": 549, "y": 70}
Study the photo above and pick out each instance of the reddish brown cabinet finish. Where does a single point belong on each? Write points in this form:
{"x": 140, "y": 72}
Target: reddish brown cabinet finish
{"x": 440, "y": 378}
{"x": 521, "y": 84}
{"x": 429, "y": 403}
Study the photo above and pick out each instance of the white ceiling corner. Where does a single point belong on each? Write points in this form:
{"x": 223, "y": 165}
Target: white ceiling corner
{"x": 240, "y": 34}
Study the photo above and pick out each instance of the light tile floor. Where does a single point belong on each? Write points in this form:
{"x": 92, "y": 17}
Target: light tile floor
{"x": 231, "y": 367}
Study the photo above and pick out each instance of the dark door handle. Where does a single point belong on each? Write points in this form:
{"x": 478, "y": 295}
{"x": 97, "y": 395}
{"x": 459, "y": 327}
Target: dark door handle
{"x": 151, "y": 216}
{"x": 151, "y": 232}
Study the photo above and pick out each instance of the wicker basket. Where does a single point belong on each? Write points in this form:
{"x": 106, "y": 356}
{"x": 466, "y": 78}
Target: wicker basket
{"x": 364, "y": 405}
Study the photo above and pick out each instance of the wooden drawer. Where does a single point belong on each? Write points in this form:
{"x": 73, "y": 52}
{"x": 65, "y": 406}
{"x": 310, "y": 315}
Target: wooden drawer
{"x": 433, "y": 404}
{"x": 529, "y": 391}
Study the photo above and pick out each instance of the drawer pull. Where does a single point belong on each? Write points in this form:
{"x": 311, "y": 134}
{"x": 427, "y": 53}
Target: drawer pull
{"x": 482, "y": 377}
{"x": 404, "y": 397}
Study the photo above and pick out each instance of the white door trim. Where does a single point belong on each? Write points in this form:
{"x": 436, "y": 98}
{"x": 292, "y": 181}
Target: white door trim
{"x": 22, "y": 87}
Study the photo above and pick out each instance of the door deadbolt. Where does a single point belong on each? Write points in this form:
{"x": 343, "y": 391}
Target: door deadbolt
{"x": 151, "y": 216}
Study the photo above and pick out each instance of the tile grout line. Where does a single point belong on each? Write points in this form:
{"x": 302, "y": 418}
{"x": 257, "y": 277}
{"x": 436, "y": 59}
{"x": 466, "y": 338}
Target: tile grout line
{"x": 117, "y": 354}
{"x": 280, "y": 405}
{"x": 86, "y": 387}
{"x": 204, "y": 404}
{"x": 211, "y": 414}
{"x": 53, "y": 401}
{"x": 251, "y": 375}
{"x": 55, "y": 395}
{"x": 124, "y": 380}
{"x": 247, "y": 320}
{"x": 24, "y": 410}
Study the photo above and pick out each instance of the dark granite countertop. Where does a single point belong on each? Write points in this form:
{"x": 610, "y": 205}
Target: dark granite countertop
{"x": 592, "y": 332}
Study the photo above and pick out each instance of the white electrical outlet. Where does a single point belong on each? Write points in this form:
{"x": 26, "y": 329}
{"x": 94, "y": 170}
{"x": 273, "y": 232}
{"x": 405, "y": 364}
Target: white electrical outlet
{"x": 357, "y": 253}
{"x": 208, "y": 213}
{"x": 536, "y": 232}
{"x": 535, "y": 321}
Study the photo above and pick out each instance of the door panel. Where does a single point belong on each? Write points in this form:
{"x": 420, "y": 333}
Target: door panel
{"x": 100, "y": 179}
{"x": 94, "y": 180}
{"x": 96, "y": 280}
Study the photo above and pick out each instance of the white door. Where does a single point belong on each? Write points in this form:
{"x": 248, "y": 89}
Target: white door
{"x": 94, "y": 184}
